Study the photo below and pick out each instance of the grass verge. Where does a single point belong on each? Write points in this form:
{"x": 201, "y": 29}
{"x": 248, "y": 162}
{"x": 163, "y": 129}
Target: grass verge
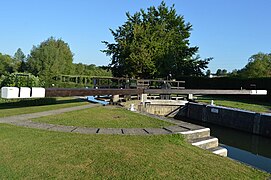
{"x": 16, "y": 107}
{"x": 36, "y": 154}
{"x": 103, "y": 117}
{"x": 245, "y": 104}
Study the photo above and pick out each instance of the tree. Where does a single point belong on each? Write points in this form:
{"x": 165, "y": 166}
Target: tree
{"x": 221, "y": 72}
{"x": 7, "y": 64}
{"x": 50, "y": 58}
{"x": 224, "y": 72}
{"x": 234, "y": 73}
{"x": 218, "y": 72}
{"x": 208, "y": 73}
{"x": 20, "y": 58}
{"x": 259, "y": 65}
{"x": 154, "y": 44}
{"x": 19, "y": 55}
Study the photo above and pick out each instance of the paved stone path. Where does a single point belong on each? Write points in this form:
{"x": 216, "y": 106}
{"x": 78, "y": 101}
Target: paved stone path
{"x": 24, "y": 121}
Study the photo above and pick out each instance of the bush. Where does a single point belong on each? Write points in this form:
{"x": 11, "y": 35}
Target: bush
{"x": 1, "y": 80}
{"x": 21, "y": 80}
{"x": 26, "y": 102}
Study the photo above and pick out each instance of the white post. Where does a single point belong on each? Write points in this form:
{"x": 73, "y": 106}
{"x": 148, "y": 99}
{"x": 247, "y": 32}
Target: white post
{"x": 132, "y": 107}
{"x": 115, "y": 98}
{"x": 190, "y": 96}
{"x": 212, "y": 102}
{"x": 143, "y": 98}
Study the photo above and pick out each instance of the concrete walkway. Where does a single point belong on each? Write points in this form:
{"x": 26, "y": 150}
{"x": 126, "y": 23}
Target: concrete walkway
{"x": 24, "y": 121}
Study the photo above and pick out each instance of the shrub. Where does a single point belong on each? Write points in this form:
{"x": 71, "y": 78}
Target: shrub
{"x": 9, "y": 103}
{"x": 1, "y": 80}
{"x": 21, "y": 80}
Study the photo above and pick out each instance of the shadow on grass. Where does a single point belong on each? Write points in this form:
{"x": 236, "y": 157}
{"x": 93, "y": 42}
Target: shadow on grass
{"x": 258, "y": 100}
{"x": 7, "y": 104}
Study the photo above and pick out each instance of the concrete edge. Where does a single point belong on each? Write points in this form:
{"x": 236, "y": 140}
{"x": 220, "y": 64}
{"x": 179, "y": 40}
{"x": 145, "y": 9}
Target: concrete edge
{"x": 205, "y": 141}
{"x": 195, "y": 131}
{"x": 220, "y": 151}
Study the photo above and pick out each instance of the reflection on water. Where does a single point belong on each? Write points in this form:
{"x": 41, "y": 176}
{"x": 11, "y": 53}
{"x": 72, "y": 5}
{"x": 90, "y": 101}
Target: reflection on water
{"x": 254, "y": 160}
{"x": 255, "y": 144}
{"x": 248, "y": 148}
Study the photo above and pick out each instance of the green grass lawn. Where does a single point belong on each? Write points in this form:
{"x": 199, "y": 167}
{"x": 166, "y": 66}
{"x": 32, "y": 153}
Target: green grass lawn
{"x": 238, "y": 103}
{"x": 103, "y": 117}
{"x": 37, "y": 154}
{"x": 16, "y": 107}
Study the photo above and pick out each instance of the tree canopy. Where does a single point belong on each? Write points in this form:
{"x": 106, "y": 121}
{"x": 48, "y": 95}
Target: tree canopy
{"x": 50, "y": 58}
{"x": 47, "y": 61}
{"x": 154, "y": 43}
{"x": 221, "y": 72}
{"x": 19, "y": 57}
{"x": 259, "y": 65}
{"x": 7, "y": 64}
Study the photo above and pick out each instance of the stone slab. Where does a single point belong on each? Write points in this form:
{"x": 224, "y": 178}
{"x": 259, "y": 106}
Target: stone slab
{"x": 134, "y": 131}
{"x": 110, "y": 131}
{"x": 189, "y": 125}
{"x": 62, "y": 128}
{"x": 84, "y": 130}
{"x": 176, "y": 129}
{"x": 156, "y": 131}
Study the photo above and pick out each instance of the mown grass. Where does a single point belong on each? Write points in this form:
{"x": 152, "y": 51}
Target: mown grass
{"x": 37, "y": 154}
{"x": 16, "y": 107}
{"x": 103, "y": 117}
{"x": 245, "y": 104}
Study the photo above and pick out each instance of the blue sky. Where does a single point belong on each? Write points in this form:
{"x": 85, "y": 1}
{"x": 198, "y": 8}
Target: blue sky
{"x": 229, "y": 30}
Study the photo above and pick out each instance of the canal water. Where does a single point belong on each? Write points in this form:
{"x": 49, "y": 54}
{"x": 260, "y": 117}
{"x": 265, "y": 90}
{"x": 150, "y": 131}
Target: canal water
{"x": 244, "y": 147}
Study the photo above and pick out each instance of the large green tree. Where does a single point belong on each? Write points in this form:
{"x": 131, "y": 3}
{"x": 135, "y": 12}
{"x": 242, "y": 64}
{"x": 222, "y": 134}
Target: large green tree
{"x": 154, "y": 43}
{"x": 19, "y": 55}
{"x": 50, "y": 58}
{"x": 19, "y": 58}
{"x": 259, "y": 65}
{"x": 7, "y": 64}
